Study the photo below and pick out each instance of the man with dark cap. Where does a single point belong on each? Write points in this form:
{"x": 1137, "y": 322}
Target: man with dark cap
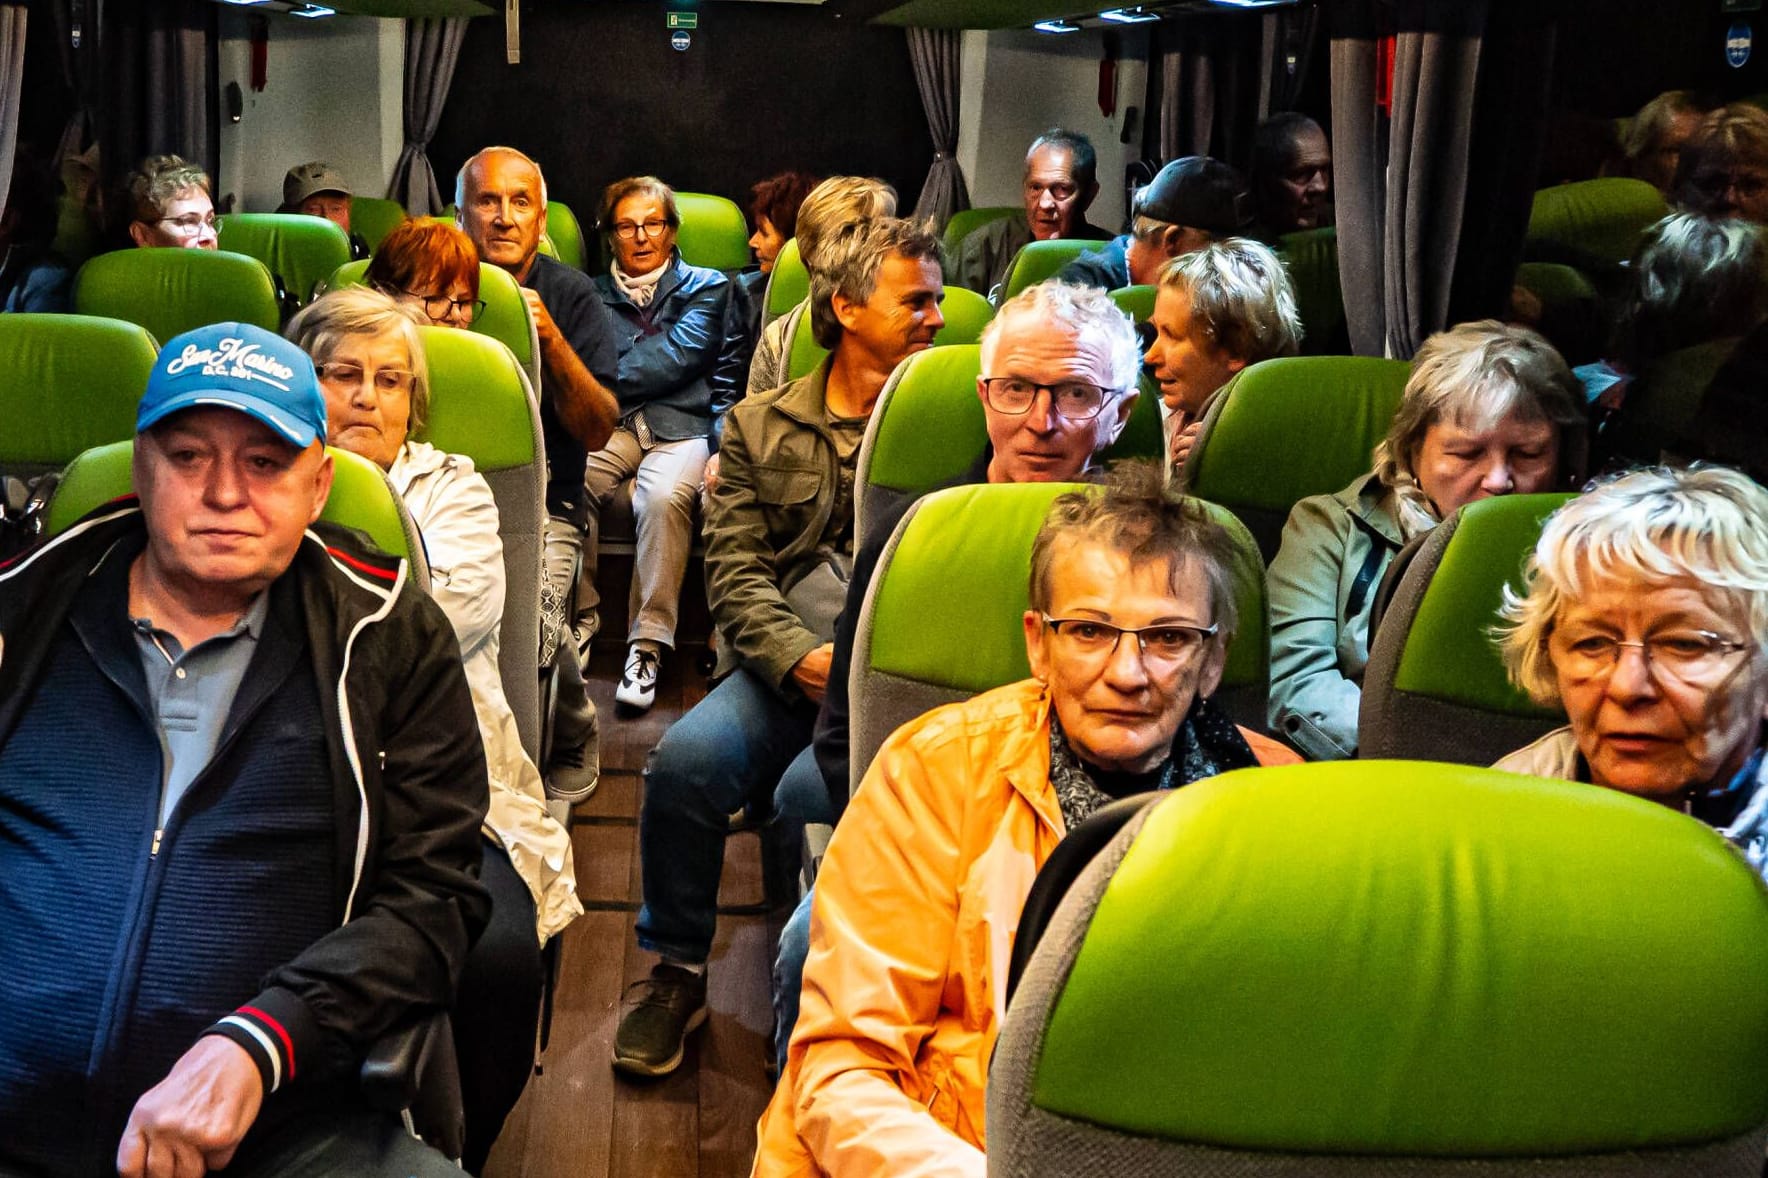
{"x": 1060, "y": 184}
{"x": 1189, "y": 203}
{"x": 241, "y": 789}
{"x": 318, "y": 190}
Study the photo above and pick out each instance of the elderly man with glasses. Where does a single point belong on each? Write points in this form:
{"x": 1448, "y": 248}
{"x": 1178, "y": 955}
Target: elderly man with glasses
{"x": 1132, "y": 607}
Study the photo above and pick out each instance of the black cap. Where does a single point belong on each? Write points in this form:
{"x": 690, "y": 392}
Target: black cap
{"x": 1197, "y": 192}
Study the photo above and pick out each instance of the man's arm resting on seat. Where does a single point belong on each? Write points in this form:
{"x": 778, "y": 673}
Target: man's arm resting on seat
{"x": 585, "y": 406}
{"x": 193, "y": 1120}
{"x": 742, "y": 584}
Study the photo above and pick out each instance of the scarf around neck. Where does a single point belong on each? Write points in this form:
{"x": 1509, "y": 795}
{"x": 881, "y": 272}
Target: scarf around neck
{"x": 640, "y": 290}
{"x": 1207, "y": 743}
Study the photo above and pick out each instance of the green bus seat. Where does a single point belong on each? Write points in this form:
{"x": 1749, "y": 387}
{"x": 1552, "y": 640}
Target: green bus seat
{"x": 1136, "y": 301}
{"x": 1358, "y": 969}
{"x": 171, "y": 291}
{"x": 1597, "y": 219}
{"x": 373, "y": 218}
{"x": 1285, "y": 429}
{"x": 1658, "y": 416}
{"x": 1311, "y": 257}
{"x": 964, "y": 222}
{"x": 300, "y": 250}
{"x": 566, "y": 233}
{"x": 713, "y": 232}
{"x": 788, "y": 283}
{"x": 1435, "y": 685}
{"x": 67, "y": 383}
{"x": 1040, "y": 260}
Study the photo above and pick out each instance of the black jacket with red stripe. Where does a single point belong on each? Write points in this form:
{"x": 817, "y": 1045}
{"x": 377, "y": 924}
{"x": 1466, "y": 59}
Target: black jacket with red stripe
{"x": 315, "y": 886}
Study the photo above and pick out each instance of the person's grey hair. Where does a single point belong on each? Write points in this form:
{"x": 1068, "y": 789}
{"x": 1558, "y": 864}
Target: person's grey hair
{"x": 1695, "y": 279}
{"x": 160, "y": 180}
{"x": 833, "y": 205}
{"x": 1134, "y": 511}
{"x": 460, "y": 177}
{"x": 850, "y": 265}
{"x": 1473, "y": 376}
{"x": 1240, "y": 292}
{"x": 1086, "y": 311}
{"x": 1646, "y": 129}
{"x": 322, "y": 326}
{"x": 1083, "y": 159}
{"x": 1646, "y": 528}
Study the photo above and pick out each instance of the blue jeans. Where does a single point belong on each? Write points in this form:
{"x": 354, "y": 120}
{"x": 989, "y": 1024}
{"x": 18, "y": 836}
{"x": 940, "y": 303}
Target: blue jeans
{"x": 788, "y": 975}
{"x": 726, "y": 753}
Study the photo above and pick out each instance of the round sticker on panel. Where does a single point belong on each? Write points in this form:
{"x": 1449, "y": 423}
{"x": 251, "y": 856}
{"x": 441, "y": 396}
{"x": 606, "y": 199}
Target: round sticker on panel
{"x": 1738, "y": 40}
{"x": 680, "y": 40}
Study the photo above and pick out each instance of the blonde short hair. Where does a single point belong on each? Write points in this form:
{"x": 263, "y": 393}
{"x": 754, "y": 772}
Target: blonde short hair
{"x": 837, "y": 202}
{"x": 1704, "y": 524}
{"x": 1240, "y": 292}
{"x": 322, "y": 326}
{"x": 1088, "y": 312}
{"x": 160, "y": 180}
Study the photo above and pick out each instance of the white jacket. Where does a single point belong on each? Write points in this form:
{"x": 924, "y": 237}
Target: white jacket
{"x": 453, "y": 508}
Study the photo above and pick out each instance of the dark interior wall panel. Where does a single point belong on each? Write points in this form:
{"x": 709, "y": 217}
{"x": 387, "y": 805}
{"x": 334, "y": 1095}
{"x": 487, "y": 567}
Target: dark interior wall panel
{"x": 1613, "y": 57}
{"x": 600, "y": 94}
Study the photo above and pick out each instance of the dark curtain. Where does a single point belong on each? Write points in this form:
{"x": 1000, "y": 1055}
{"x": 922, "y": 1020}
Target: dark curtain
{"x": 935, "y": 54}
{"x": 159, "y": 82}
{"x": 1433, "y": 202}
{"x": 1209, "y": 77}
{"x": 76, "y": 28}
{"x": 12, "y": 76}
{"x": 1287, "y": 43}
{"x": 432, "y": 47}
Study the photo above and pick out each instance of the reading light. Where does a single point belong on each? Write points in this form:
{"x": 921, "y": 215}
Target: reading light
{"x": 313, "y": 10}
{"x": 1129, "y": 16}
{"x": 1056, "y": 26}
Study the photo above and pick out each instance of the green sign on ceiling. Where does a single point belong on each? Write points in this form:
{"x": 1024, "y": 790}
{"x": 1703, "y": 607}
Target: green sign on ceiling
{"x": 691, "y": 20}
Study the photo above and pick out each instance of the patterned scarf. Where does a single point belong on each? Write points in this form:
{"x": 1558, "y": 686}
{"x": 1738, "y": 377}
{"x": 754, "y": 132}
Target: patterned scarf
{"x": 1206, "y": 744}
{"x": 642, "y": 289}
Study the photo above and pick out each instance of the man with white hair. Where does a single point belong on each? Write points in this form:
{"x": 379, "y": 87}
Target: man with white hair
{"x": 1061, "y": 182}
{"x": 1058, "y": 383}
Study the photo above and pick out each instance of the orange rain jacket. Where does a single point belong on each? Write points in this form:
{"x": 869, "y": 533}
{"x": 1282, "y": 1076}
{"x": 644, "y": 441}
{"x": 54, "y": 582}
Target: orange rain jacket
{"x": 911, "y": 933}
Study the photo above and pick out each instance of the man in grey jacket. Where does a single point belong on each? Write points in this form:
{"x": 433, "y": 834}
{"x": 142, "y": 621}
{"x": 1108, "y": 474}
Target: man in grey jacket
{"x": 779, "y": 549}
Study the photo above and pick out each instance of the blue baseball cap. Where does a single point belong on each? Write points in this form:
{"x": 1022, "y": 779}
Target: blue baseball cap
{"x": 237, "y": 366}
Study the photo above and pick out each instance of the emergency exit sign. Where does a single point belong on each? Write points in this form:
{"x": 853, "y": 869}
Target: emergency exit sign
{"x": 691, "y": 20}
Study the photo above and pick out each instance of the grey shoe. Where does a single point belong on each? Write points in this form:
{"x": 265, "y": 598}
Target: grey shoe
{"x": 573, "y": 773}
{"x": 583, "y": 632}
{"x": 664, "y": 1009}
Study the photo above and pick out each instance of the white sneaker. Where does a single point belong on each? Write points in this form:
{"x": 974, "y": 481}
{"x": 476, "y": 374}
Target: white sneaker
{"x": 638, "y": 681}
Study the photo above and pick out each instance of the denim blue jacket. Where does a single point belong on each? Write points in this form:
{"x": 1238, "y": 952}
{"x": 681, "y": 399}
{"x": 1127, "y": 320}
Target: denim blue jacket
{"x": 669, "y": 351}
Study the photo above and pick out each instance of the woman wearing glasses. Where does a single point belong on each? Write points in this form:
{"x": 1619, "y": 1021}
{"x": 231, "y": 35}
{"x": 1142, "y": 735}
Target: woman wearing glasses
{"x": 169, "y": 205}
{"x": 1644, "y": 613}
{"x": 430, "y": 266}
{"x": 669, "y": 325}
{"x": 371, "y": 365}
{"x": 1488, "y": 410}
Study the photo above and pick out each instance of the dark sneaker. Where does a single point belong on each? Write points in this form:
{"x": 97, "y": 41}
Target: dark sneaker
{"x": 638, "y": 682}
{"x": 662, "y": 1010}
{"x": 573, "y": 773}
{"x": 583, "y": 632}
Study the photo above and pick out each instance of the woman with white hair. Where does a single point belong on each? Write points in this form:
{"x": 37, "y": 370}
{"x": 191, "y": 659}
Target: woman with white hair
{"x": 1644, "y": 613}
{"x": 1217, "y": 310}
{"x": 373, "y": 371}
{"x": 1490, "y": 409}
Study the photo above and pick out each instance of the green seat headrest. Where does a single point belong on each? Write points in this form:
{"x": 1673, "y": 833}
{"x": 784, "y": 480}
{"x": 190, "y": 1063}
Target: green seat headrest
{"x": 1311, "y": 257}
{"x": 1450, "y": 654}
{"x": 1297, "y": 426}
{"x": 713, "y": 232}
{"x": 967, "y": 221}
{"x": 958, "y": 580}
{"x": 68, "y": 383}
{"x": 172, "y": 291}
{"x": 1400, "y": 958}
{"x": 1042, "y": 259}
{"x": 566, "y": 233}
{"x": 478, "y": 400}
{"x": 1603, "y": 219}
{"x": 789, "y": 282}
{"x": 1135, "y": 301}
{"x": 372, "y": 218}
{"x": 299, "y": 249}
{"x": 360, "y": 496}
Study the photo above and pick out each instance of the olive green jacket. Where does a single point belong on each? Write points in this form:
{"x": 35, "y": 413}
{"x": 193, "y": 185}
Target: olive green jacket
{"x": 777, "y": 481}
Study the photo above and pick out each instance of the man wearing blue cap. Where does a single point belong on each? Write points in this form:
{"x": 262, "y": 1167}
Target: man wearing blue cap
{"x": 240, "y": 796}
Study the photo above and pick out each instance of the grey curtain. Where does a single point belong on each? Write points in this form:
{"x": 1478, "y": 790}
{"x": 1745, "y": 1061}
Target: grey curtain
{"x": 936, "y": 57}
{"x": 12, "y": 70}
{"x": 432, "y": 46}
{"x": 1433, "y": 203}
{"x": 157, "y": 80}
{"x": 179, "y": 93}
{"x": 1209, "y": 87}
{"x": 1399, "y": 226}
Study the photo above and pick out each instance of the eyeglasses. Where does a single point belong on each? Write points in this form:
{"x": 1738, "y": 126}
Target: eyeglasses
{"x": 1691, "y": 656}
{"x": 1166, "y": 645}
{"x": 386, "y": 380}
{"x": 192, "y": 224}
{"x": 627, "y": 230}
{"x": 1074, "y": 399}
{"x": 437, "y": 306}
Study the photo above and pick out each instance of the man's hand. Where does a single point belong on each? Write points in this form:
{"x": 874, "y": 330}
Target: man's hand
{"x": 711, "y": 474}
{"x": 192, "y": 1121}
{"x": 1183, "y": 440}
{"x": 543, "y": 320}
{"x": 812, "y": 672}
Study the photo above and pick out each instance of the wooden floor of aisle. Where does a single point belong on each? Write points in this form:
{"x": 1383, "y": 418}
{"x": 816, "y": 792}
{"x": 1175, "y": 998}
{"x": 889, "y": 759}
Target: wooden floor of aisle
{"x": 576, "y": 1119}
